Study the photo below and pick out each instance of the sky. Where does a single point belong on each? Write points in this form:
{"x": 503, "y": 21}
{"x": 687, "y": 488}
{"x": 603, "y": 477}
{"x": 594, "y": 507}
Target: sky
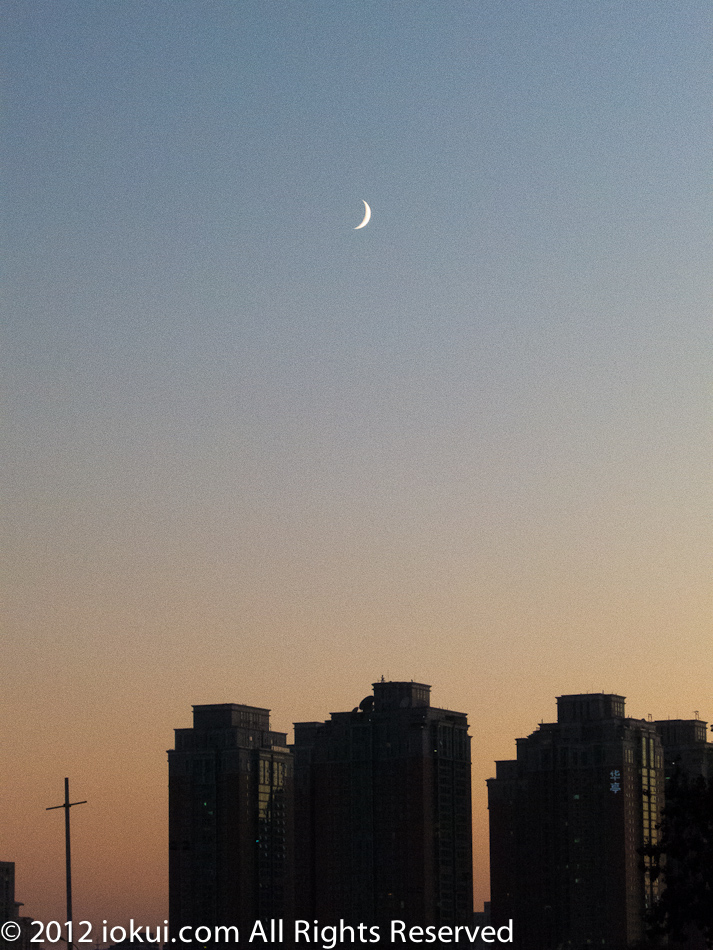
{"x": 255, "y": 455}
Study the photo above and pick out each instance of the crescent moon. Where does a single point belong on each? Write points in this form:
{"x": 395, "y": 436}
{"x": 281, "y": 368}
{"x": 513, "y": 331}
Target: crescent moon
{"x": 367, "y": 215}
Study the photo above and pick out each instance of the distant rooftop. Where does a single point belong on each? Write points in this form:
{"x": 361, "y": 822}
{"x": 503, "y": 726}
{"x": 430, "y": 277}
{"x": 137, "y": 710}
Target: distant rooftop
{"x": 395, "y": 695}
{"x": 676, "y": 732}
{"x": 583, "y": 707}
{"x": 227, "y": 715}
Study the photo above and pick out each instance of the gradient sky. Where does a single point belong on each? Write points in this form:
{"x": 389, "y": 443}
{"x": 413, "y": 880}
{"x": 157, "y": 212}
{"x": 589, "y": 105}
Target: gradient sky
{"x": 253, "y": 455}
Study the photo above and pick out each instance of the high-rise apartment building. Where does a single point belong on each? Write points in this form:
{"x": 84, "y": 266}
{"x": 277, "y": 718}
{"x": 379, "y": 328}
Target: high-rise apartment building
{"x": 568, "y": 818}
{"x": 20, "y": 933}
{"x": 230, "y": 820}
{"x": 686, "y": 747}
{"x": 685, "y": 857}
{"x": 8, "y": 905}
{"x": 383, "y": 812}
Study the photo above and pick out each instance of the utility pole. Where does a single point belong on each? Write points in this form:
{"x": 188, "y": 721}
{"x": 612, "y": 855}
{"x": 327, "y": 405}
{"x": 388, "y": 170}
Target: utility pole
{"x": 67, "y": 805}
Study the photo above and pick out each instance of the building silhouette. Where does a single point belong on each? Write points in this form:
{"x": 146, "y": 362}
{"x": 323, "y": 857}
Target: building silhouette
{"x": 686, "y": 747}
{"x": 383, "y": 812}
{"x": 684, "y": 857}
{"x": 8, "y": 904}
{"x": 230, "y": 820}
{"x": 10, "y": 911}
{"x": 568, "y": 819}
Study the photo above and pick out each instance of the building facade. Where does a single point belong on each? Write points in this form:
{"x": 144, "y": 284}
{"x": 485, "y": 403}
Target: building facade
{"x": 230, "y": 820}
{"x": 686, "y": 747}
{"x": 684, "y": 856}
{"x": 383, "y": 812}
{"x": 568, "y": 819}
{"x": 19, "y": 939}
